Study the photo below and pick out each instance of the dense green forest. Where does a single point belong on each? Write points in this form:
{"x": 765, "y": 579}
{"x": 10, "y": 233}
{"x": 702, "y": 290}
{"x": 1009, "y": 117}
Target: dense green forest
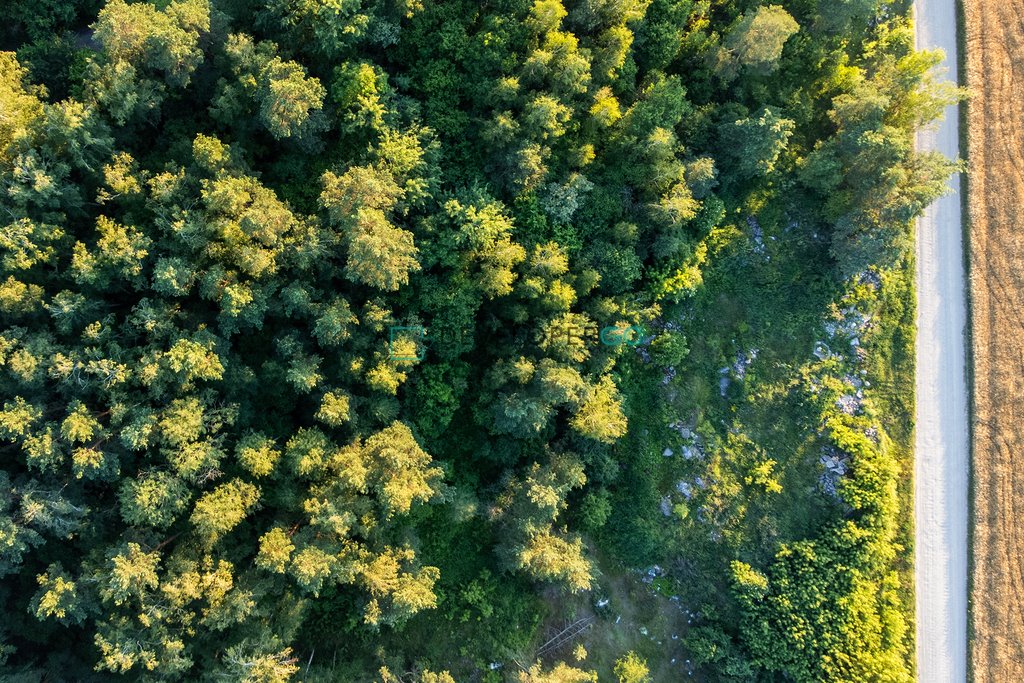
{"x": 454, "y": 340}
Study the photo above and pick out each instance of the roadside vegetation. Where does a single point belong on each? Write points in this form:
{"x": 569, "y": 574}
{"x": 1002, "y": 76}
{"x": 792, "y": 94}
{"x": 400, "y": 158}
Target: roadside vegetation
{"x": 440, "y": 340}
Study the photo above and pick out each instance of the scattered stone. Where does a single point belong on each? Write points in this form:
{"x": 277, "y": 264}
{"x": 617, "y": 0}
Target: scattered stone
{"x": 602, "y": 602}
{"x": 756, "y": 234}
{"x": 870, "y": 278}
{"x": 848, "y": 404}
{"x": 836, "y": 464}
{"x": 666, "y": 506}
{"x": 853, "y": 381}
{"x": 685, "y": 489}
{"x": 668, "y": 453}
{"x": 835, "y": 461}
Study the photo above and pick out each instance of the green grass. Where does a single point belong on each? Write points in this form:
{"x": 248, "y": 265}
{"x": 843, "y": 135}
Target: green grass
{"x": 777, "y": 306}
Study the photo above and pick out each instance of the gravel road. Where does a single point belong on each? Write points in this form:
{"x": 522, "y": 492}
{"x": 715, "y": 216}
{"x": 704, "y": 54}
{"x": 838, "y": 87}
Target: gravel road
{"x": 941, "y": 461}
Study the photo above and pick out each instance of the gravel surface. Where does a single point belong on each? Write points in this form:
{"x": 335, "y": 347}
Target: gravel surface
{"x": 941, "y": 442}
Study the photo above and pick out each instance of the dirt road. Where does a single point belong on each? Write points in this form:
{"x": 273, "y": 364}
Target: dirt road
{"x": 994, "y": 31}
{"x": 941, "y": 446}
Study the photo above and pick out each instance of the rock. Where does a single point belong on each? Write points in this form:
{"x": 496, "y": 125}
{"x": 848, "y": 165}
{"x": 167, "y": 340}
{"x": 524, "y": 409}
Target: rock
{"x": 666, "y": 506}
{"x": 667, "y": 453}
{"x": 870, "y": 278}
{"x": 756, "y": 234}
{"x": 848, "y": 404}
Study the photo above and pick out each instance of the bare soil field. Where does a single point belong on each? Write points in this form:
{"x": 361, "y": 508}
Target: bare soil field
{"x": 994, "y": 39}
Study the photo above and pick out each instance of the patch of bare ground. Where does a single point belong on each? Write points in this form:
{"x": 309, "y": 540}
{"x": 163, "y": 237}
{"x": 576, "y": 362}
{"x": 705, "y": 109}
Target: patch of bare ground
{"x": 994, "y": 38}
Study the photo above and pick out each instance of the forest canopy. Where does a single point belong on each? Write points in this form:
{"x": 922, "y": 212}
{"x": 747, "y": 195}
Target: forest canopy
{"x": 377, "y": 340}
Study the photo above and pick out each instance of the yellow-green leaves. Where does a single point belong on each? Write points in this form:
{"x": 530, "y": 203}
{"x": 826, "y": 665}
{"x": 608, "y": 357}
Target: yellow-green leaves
{"x": 400, "y": 471}
{"x": 20, "y": 104}
{"x": 248, "y": 664}
{"x": 356, "y": 89}
{"x": 334, "y": 409}
{"x": 58, "y": 597}
{"x": 18, "y": 298}
{"x": 17, "y": 417}
{"x": 485, "y": 238}
{"x": 755, "y": 42}
{"x": 560, "y": 673}
{"x": 631, "y": 668}
{"x": 551, "y": 558}
{"x": 601, "y": 417}
{"x": 194, "y": 359}
{"x": 288, "y": 100}
{"x": 25, "y": 243}
{"x": 118, "y": 254}
{"x": 129, "y": 573}
{"x": 358, "y": 187}
{"x": 166, "y": 41}
{"x": 396, "y": 591}
{"x": 529, "y": 508}
{"x": 222, "y": 509}
{"x": 79, "y": 426}
{"x": 155, "y": 499}
{"x": 310, "y": 567}
{"x": 380, "y": 254}
{"x": 182, "y": 421}
{"x": 257, "y": 454}
{"x": 307, "y": 452}
{"x": 275, "y": 551}
{"x": 211, "y": 154}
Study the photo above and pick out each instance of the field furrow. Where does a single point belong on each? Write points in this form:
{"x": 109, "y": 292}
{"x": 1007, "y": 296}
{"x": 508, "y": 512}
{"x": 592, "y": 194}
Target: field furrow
{"x": 995, "y": 74}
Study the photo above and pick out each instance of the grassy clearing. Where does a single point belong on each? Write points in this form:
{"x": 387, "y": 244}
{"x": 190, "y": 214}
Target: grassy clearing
{"x": 775, "y": 301}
